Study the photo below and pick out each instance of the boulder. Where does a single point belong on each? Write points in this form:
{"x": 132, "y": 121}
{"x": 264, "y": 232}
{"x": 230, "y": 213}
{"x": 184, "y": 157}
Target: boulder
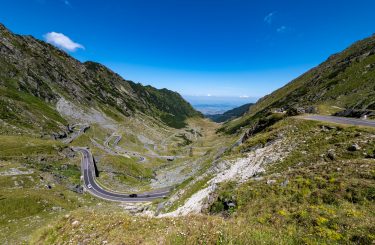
{"x": 231, "y": 204}
{"x": 357, "y": 113}
{"x": 284, "y": 183}
{"x": 76, "y": 188}
{"x": 271, "y": 182}
{"x": 354, "y": 147}
{"x": 75, "y": 223}
{"x": 331, "y": 154}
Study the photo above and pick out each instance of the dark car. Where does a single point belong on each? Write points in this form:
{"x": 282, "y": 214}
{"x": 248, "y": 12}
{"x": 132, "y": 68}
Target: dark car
{"x": 133, "y": 195}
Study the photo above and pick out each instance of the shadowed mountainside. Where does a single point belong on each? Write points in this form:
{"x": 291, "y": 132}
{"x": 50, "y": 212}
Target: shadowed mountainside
{"x": 231, "y": 114}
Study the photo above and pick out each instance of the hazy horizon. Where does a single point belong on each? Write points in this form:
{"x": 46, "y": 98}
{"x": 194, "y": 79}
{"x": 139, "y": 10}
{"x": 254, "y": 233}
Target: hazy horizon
{"x": 209, "y": 105}
{"x": 196, "y": 47}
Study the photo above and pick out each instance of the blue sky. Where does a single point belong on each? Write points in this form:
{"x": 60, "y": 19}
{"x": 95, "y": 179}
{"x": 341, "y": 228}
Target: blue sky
{"x": 198, "y": 47}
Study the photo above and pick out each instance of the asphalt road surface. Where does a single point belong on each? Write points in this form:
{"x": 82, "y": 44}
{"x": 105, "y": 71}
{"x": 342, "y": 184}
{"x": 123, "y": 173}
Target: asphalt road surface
{"x": 132, "y": 153}
{"x": 88, "y": 170}
{"x": 75, "y": 134}
{"x": 341, "y": 120}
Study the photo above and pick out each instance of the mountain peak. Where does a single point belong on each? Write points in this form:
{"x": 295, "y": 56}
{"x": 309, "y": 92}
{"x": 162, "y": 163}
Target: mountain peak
{"x": 43, "y": 71}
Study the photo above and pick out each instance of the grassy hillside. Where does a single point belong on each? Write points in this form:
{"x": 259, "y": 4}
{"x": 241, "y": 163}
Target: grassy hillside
{"x": 37, "y": 178}
{"x": 344, "y": 80}
{"x": 32, "y": 67}
{"x": 320, "y": 190}
{"x": 321, "y": 193}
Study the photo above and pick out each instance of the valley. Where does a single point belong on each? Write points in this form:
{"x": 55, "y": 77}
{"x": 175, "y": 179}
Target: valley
{"x": 88, "y": 157}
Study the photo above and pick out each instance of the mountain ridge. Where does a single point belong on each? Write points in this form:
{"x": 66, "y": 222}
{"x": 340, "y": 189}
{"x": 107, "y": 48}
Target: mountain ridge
{"x": 230, "y": 114}
{"x": 345, "y": 80}
{"x": 31, "y": 66}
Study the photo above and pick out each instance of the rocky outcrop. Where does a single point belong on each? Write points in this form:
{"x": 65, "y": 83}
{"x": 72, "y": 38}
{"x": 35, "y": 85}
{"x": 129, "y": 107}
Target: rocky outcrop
{"x": 238, "y": 170}
{"x": 31, "y": 66}
{"x": 355, "y": 113}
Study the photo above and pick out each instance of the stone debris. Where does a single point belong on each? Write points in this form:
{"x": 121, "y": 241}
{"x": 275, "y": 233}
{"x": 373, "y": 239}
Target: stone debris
{"x": 354, "y": 147}
{"x": 15, "y": 171}
{"x": 75, "y": 223}
{"x": 238, "y": 170}
{"x": 271, "y": 182}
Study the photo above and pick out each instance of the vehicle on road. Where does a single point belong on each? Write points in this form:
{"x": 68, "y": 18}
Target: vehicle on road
{"x": 87, "y": 164}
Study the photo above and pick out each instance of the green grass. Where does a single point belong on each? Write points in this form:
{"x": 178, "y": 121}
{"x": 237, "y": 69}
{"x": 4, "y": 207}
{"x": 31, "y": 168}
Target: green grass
{"x": 25, "y": 110}
{"x": 125, "y": 171}
{"x": 126, "y": 165}
{"x": 326, "y": 200}
{"x": 116, "y": 226}
{"x": 112, "y": 113}
{"x": 26, "y": 204}
{"x": 325, "y": 109}
{"x": 336, "y": 82}
{"x": 17, "y": 146}
{"x": 319, "y": 204}
{"x": 192, "y": 188}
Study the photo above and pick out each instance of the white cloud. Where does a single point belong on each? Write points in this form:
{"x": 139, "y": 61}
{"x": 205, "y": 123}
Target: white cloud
{"x": 282, "y": 29}
{"x": 61, "y": 41}
{"x": 244, "y": 96}
{"x": 269, "y": 17}
{"x": 208, "y": 95}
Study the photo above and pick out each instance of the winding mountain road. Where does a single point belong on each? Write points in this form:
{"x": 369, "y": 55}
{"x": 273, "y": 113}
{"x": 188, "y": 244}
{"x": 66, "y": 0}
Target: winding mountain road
{"x": 88, "y": 171}
{"x": 77, "y": 133}
{"x": 88, "y": 168}
{"x": 120, "y": 150}
{"x": 341, "y": 120}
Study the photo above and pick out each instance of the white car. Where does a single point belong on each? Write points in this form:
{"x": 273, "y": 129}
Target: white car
{"x": 89, "y": 186}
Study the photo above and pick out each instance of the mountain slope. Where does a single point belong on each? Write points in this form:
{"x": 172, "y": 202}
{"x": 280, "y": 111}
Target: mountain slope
{"x": 231, "y": 114}
{"x": 344, "y": 80}
{"x": 30, "y": 67}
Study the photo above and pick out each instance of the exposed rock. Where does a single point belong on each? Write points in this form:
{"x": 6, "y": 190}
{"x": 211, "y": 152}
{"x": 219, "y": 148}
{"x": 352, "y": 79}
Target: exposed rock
{"x": 220, "y": 152}
{"x": 15, "y": 171}
{"x": 59, "y": 135}
{"x": 75, "y": 223}
{"x": 229, "y": 204}
{"x": 252, "y": 148}
{"x": 354, "y": 147}
{"x": 355, "y": 113}
{"x": 57, "y": 209}
{"x": 284, "y": 183}
{"x": 76, "y": 188}
{"x": 68, "y": 152}
{"x": 331, "y": 154}
{"x": 326, "y": 128}
{"x": 238, "y": 170}
{"x": 369, "y": 155}
{"x": 271, "y": 182}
